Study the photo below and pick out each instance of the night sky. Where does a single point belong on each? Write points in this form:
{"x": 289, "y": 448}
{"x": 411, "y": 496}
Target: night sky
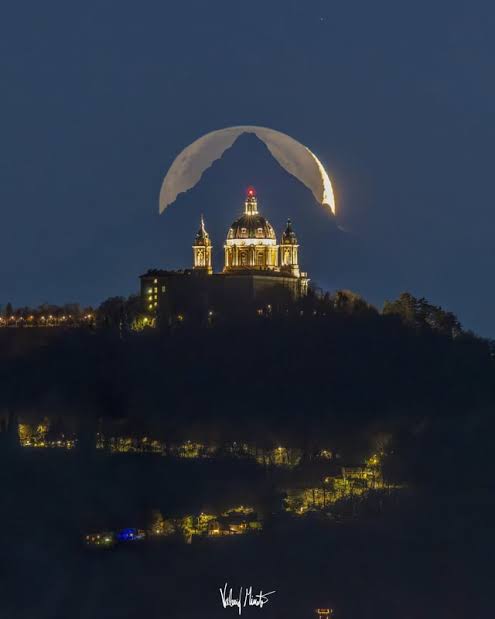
{"x": 396, "y": 98}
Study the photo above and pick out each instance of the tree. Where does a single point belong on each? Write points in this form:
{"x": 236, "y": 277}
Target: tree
{"x": 350, "y": 302}
{"x": 111, "y": 312}
{"x": 134, "y": 316}
{"x": 121, "y": 313}
{"x": 420, "y": 313}
{"x": 142, "y": 322}
{"x": 158, "y": 525}
{"x": 406, "y": 306}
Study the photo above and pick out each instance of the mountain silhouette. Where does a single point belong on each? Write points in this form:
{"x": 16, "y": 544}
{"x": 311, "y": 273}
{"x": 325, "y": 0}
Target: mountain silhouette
{"x": 220, "y": 195}
{"x": 141, "y": 238}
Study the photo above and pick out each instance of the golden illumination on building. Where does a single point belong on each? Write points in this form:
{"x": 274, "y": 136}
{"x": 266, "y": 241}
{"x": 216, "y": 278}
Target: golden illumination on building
{"x": 105, "y": 539}
{"x": 352, "y": 483}
{"x": 251, "y": 249}
{"x": 202, "y": 249}
{"x": 204, "y": 525}
{"x": 251, "y": 245}
{"x": 289, "y": 260}
{"x": 251, "y": 242}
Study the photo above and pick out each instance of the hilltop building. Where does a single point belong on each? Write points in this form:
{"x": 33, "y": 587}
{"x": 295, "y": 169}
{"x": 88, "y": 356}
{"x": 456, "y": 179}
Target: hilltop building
{"x": 258, "y": 272}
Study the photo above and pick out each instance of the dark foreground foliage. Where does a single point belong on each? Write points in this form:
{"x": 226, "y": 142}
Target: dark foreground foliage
{"x": 330, "y": 372}
{"x": 325, "y": 367}
{"x": 424, "y": 553}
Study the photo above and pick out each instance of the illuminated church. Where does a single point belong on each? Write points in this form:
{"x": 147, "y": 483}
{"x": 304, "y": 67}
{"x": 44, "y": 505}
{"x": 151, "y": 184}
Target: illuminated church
{"x": 258, "y": 272}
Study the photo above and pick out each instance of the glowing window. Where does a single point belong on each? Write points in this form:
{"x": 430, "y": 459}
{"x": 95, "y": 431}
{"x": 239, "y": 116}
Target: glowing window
{"x": 163, "y": 288}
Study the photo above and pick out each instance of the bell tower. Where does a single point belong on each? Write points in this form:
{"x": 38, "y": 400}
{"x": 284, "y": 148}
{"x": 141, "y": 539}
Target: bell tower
{"x": 289, "y": 260}
{"x": 202, "y": 250}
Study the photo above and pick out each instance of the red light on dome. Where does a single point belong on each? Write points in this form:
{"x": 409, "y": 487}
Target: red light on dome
{"x": 251, "y": 191}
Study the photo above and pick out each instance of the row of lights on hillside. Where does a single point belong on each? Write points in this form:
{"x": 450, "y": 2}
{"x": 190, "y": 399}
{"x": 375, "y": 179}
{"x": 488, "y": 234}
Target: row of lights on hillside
{"x": 42, "y": 318}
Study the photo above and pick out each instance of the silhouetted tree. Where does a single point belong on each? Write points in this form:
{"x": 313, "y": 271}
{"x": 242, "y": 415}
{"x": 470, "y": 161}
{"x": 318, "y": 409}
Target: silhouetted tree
{"x": 420, "y": 314}
{"x": 111, "y": 313}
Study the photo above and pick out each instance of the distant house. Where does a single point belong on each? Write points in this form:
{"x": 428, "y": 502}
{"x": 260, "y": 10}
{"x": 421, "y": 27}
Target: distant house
{"x": 104, "y": 539}
{"x": 233, "y": 523}
{"x": 130, "y": 535}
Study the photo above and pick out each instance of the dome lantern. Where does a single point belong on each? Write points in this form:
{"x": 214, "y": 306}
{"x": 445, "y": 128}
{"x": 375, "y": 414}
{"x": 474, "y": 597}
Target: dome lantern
{"x": 251, "y": 203}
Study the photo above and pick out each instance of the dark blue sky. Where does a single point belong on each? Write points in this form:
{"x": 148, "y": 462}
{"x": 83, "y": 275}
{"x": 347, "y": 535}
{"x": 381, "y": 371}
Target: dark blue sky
{"x": 396, "y": 98}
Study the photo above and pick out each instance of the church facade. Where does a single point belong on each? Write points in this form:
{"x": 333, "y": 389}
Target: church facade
{"x": 258, "y": 272}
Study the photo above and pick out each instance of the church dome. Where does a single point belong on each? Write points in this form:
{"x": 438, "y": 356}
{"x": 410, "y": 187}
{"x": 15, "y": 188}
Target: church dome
{"x": 251, "y": 242}
{"x": 251, "y": 225}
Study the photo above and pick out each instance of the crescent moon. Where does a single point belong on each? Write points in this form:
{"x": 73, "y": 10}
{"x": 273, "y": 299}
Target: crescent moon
{"x": 189, "y": 166}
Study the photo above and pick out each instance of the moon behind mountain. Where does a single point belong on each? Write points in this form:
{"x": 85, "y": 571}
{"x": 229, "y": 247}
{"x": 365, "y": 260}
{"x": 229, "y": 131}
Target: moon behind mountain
{"x": 297, "y": 159}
